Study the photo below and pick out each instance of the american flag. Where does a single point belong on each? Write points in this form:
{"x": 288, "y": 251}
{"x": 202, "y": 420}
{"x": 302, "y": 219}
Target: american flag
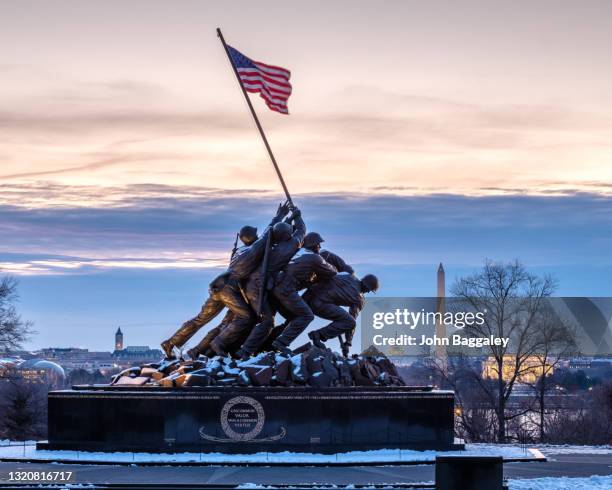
{"x": 272, "y": 82}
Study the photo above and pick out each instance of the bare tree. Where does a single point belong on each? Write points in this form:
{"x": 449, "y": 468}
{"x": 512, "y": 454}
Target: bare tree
{"x": 556, "y": 340}
{"x": 512, "y": 299}
{"x": 586, "y": 418}
{"x": 13, "y": 330}
{"x": 475, "y": 421}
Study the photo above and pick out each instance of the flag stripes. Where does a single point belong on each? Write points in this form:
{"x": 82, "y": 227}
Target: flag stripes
{"x": 271, "y": 82}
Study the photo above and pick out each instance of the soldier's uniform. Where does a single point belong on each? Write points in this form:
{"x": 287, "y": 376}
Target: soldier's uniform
{"x": 327, "y": 298}
{"x": 305, "y": 268}
{"x": 336, "y": 261}
{"x": 280, "y": 255}
{"x": 224, "y": 291}
{"x": 204, "y": 344}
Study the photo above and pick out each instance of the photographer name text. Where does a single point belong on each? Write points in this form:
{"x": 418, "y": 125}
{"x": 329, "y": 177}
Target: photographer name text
{"x": 456, "y": 340}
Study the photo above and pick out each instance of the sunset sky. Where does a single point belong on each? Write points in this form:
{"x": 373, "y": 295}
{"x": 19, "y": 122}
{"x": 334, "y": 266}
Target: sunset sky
{"x": 419, "y": 132}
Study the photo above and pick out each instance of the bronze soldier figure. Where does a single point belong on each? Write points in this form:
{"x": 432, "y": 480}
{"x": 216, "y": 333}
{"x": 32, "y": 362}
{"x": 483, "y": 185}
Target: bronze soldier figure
{"x": 203, "y": 346}
{"x": 286, "y": 240}
{"x": 336, "y": 261}
{"x": 305, "y": 268}
{"x": 224, "y": 290}
{"x": 312, "y": 241}
{"x": 327, "y": 298}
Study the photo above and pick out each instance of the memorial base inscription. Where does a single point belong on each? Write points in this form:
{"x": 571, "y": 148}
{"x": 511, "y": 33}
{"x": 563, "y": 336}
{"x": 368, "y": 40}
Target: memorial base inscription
{"x": 248, "y": 420}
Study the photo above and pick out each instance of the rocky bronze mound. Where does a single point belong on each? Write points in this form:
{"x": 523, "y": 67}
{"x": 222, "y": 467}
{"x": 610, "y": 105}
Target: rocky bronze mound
{"x": 316, "y": 367}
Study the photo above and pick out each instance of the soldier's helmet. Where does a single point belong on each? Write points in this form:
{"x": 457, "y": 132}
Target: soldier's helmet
{"x": 281, "y": 232}
{"x": 247, "y": 234}
{"x": 312, "y": 239}
{"x": 370, "y": 283}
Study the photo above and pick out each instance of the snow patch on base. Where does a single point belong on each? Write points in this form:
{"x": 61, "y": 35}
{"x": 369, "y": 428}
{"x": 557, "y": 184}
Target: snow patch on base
{"x": 381, "y": 455}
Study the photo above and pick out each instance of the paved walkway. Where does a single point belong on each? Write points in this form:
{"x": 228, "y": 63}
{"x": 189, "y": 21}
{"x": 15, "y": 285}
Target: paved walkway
{"x": 571, "y": 465}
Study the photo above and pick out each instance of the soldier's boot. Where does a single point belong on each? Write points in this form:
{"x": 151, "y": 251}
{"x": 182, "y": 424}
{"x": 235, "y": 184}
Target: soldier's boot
{"x": 281, "y": 348}
{"x": 204, "y": 346}
{"x": 346, "y": 347}
{"x": 168, "y": 349}
{"x": 242, "y": 355}
{"x": 217, "y": 348}
{"x": 193, "y": 353}
{"x": 317, "y": 339}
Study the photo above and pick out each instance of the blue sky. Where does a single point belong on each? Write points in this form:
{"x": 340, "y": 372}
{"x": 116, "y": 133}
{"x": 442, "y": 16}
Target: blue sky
{"x": 145, "y": 264}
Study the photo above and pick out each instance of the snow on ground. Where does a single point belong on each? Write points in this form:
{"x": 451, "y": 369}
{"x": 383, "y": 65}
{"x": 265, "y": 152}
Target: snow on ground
{"x": 593, "y": 482}
{"x": 383, "y": 455}
{"x": 596, "y": 482}
{"x": 258, "y": 486}
{"x": 8, "y": 442}
{"x": 567, "y": 449}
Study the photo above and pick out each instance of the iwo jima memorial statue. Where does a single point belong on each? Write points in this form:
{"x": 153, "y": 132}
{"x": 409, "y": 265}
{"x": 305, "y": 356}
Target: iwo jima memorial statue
{"x": 245, "y": 387}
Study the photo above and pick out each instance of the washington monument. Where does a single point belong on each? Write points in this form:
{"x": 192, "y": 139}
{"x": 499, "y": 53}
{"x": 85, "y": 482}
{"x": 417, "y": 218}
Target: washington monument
{"x": 440, "y": 350}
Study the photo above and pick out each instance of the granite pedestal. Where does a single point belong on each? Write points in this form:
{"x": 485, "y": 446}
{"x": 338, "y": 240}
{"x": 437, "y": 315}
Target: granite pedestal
{"x": 247, "y": 420}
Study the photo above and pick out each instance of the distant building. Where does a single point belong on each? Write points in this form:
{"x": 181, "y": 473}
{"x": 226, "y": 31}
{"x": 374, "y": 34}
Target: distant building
{"x": 41, "y": 371}
{"x": 8, "y": 366}
{"x": 531, "y": 370}
{"x": 579, "y": 363}
{"x": 133, "y": 354}
{"x": 137, "y": 348}
{"x": 601, "y": 363}
{"x": 119, "y": 339}
{"x": 71, "y": 358}
{"x": 136, "y": 354}
{"x": 63, "y": 353}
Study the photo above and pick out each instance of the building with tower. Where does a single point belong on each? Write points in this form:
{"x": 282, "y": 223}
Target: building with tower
{"x": 132, "y": 355}
{"x": 119, "y": 339}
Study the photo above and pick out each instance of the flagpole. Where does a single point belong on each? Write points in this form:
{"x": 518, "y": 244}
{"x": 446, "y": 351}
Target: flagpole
{"x": 259, "y": 127}
{"x": 266, "y": 257}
